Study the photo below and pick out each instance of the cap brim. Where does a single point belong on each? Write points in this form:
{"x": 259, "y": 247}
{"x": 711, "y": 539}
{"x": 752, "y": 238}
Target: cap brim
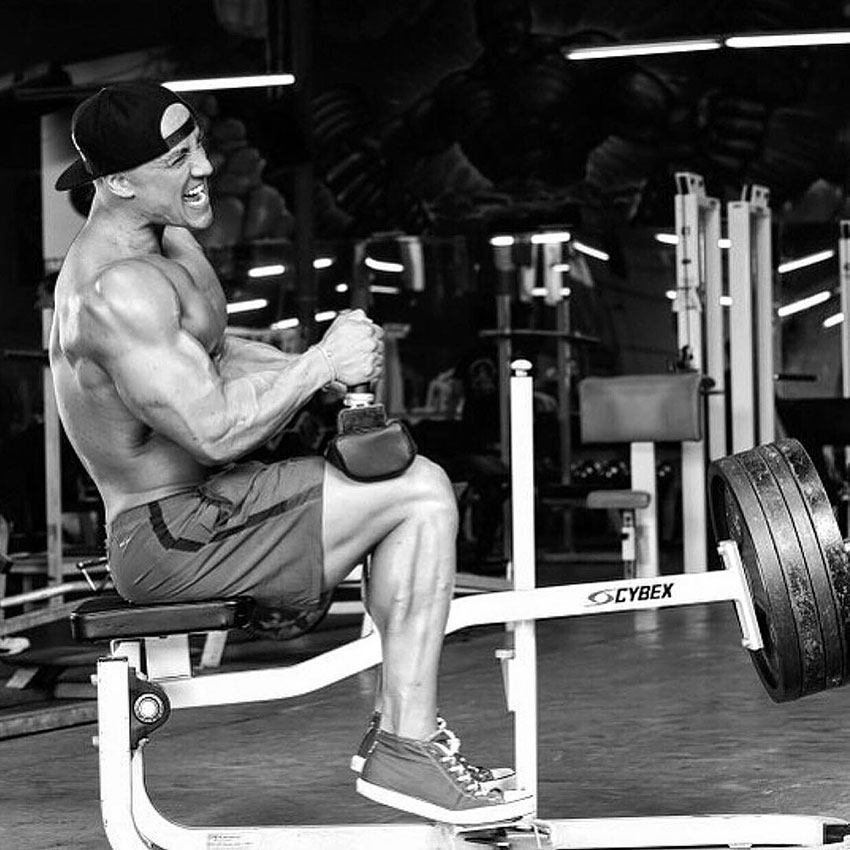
{"x": 73, "y": 176}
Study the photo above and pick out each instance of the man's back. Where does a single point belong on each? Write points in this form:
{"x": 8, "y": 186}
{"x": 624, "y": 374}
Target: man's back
{"x": 130, "y": 463}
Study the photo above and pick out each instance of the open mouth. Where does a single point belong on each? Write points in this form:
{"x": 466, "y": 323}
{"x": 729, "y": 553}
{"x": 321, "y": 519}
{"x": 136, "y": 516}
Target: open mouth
{"x": 197, "y": 196}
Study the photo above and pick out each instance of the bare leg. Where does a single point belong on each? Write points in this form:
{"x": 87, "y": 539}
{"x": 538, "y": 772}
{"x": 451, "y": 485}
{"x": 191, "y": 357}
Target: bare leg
{"x": 409, "y": 524}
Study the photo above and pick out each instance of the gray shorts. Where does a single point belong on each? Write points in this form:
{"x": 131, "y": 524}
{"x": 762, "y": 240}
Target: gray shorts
{"x": 253, "y": 529}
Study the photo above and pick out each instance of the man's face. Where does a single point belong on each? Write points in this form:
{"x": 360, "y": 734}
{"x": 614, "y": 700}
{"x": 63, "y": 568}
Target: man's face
{"x": 174, "y": 188}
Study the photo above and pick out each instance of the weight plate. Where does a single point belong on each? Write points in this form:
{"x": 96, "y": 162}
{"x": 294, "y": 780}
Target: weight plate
{"x": 737, "y": 515}
{"x": 827, "y": 532}
{"x": 834, "y": 642}
{"x": 793, "y": 570}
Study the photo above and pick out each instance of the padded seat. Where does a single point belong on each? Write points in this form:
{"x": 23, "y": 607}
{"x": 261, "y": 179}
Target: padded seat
{"x": 109, "y": 617}
{"x": 621, "y": 500}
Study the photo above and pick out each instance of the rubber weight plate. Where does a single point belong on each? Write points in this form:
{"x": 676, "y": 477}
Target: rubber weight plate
{"x": 737, "y": 515}
{"x": 828, "y": 536}
{"x": 793, "y": 568}
{"x": 831, "y": 621}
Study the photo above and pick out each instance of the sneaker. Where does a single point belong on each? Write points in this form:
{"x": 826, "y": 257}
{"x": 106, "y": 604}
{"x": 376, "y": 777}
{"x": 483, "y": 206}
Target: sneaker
{"x": 359, "y": 758}
{"x": 490, "y": 777}
{"x": 429, "y": 779}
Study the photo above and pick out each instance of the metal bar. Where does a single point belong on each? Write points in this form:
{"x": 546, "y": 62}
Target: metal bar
{"x": 844, "y": 278}
{"x": 522, "y": 666}
{"x": 52, "y": 461}
{"x": 763, "y": 341}
{"x": 481, "y": 609}
{"x": 715, "y": 357}
{"x": 741, "y": 327}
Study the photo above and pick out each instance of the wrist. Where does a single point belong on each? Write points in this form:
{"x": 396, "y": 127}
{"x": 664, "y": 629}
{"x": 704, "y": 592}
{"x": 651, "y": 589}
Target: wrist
{"x": 328, "y": 360}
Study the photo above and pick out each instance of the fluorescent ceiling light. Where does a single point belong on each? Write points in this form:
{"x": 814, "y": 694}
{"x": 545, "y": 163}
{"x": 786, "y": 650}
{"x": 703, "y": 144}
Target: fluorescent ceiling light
{"x": 501, "y": 241}
{"x": 672, "y": 239}
{"x": 804, "y": 303}
{"x": 341, "y": 287}
{"x": 667, "y": 238}
{"x": 789, "y": 39}
{"x": 834, "y": 319}
{"x": 247, "y": 306}
{"x": 671, "y": 294}
{"x": 561, "y": 267}
{"x": 325, "y": 315}
{"x": 550, "y": 238}
{"x": 220, "y": 83}
{"x": 802, "y": 262}
{"x": 542, "y": 291}
{"x": 385, "y": 290}
{"x": 383, "y": 265}
{"x": 285, "y": 324}
{"x": 644, "y": 48}
{"x": 591, "y": 252}
{"x": 323, "y": 262}
{"x": 267, "y": 271}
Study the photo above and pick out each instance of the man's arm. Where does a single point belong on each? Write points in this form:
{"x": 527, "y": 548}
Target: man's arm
{"x": 168, "y": 381}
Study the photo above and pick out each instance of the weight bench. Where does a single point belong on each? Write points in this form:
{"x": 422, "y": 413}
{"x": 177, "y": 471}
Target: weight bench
{"x": 640, "y": 410}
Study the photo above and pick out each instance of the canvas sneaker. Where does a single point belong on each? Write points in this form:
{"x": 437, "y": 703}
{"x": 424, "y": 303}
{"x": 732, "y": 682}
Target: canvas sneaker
{"x": 430, "y": 779}
{"x": 490, "y": 777}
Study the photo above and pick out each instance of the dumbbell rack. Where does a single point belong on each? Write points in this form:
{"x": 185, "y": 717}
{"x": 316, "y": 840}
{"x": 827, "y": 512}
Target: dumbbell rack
{"x": 133, "y": 823}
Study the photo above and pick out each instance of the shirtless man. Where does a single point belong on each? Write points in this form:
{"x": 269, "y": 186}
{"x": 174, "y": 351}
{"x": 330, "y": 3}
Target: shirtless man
{"x": 156, "y": 399}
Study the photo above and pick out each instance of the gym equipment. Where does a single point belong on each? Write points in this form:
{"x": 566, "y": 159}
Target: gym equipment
{"x": 368, "y": 446}
{"x": 771, "y": 502}
{"x": 147, "y": 675}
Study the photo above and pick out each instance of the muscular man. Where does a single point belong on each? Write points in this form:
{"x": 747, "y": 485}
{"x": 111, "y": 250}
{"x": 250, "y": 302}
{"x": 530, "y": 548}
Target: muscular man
{"x": 160, "y": 405}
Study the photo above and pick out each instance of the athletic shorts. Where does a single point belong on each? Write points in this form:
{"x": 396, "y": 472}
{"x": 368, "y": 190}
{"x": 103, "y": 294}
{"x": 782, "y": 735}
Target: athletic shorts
{"x": 253, "y": 529}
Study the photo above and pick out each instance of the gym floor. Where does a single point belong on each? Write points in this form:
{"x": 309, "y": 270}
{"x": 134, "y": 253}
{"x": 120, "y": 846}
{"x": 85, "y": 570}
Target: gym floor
{"x": 640, "y": 714}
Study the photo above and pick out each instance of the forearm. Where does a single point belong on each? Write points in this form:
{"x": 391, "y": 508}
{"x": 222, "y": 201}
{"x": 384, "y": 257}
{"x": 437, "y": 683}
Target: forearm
{"x": 256, "y": 405}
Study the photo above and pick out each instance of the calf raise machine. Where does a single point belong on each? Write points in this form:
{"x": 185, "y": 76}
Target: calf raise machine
{"x": 148, "y": 673}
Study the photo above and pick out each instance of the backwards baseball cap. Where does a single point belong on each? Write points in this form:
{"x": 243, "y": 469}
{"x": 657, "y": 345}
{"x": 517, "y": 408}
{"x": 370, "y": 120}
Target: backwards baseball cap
{"x": 122, "y": 127}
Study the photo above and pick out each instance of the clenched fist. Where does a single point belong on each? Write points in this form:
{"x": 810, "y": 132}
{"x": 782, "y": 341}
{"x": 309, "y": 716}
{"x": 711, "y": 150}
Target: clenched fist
{"x": 355, "y": 346}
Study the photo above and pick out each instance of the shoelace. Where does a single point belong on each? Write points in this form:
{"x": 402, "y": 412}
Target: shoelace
{"x": 479, "y": 774}
{"x": 457, "y": 765}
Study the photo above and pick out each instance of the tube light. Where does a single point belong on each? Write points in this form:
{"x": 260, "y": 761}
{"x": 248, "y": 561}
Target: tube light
{"x": 672, "y": 239}
{"x": 645, "y": 48}
{"x": 671, "y": 294}
{"x": 323, "y": 262}
{"x": 802, "y": 262}
{"x": 341, "y": 287}
{"x": 325, "y": 315}
{"x": 834, "y": 319}
{"x": 383, "y": 265}
{"x": 285, "y": 324}
{"x": 220, "y": 83}
{"x": 384, "y": 290}
{"x": 591, "y": 252}
{"x": 267, "y": 271}
{"x": 501, "y": 241}
{"x": 550, "y": 238}
{"x": 563, "y": 268}
{"x": 789, "y": 39}
{"x": 247, "y": 306}
{"x": 804, "y": 303}
{"x": 541, "y": 292}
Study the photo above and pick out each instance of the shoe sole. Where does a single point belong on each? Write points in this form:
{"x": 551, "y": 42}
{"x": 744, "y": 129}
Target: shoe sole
{"x": 496, "y": 813}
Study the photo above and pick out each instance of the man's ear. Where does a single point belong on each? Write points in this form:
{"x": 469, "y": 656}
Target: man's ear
{"x": 120, "y": 184}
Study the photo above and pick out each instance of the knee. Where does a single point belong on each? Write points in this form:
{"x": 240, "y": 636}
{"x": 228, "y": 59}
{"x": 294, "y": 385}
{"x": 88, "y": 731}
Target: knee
{"x": 431, "y": 491}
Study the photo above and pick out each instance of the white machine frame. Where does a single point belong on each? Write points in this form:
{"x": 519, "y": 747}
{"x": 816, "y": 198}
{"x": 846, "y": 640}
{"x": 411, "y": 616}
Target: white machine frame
{"x": 132, "y": 822}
